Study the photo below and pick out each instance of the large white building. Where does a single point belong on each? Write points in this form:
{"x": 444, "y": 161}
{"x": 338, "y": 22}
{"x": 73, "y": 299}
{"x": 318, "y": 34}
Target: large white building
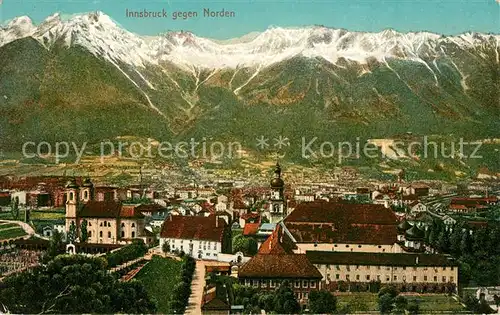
{"x": 197, "y": 236}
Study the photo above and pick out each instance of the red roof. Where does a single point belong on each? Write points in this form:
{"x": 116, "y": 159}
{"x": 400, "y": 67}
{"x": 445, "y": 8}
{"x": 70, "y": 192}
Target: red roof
{"x": 330, "y": 222}
{"x": 251, "y": 229}
{"x": 100, "y": 209}
{"x": 152, "y": 207}
{"x": 130, "y": 211}
{"x": 193, "y": 227}
{"x": 279, "y": 266}
{"x": 277, "y": 243}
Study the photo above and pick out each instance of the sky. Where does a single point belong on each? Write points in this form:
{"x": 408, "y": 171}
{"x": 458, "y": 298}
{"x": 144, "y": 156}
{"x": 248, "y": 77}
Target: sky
{"x": 447, "y": 17}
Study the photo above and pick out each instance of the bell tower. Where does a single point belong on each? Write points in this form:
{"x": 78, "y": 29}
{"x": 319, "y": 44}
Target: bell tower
{"x": 72, "y": 202}
{"x": 277, "y": 204}
{"x": 87, "y": 191}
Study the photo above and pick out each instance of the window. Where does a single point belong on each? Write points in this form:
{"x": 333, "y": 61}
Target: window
{"x": 109, "y": 224}
{"x": 105, "y": 223}
{"x": 109, "y": 234}
{"x": 425, "y": 278}
{"x": 387, "y": 278}
{"x": 444, "y": 279}
{"x": 90, "y": 234}
{"x": 347, "y": 277}
{"x": 133, "y": 225}
{"x": 337, "y": 276}
{"x": 297, "y": 284}
{"x": 404, "y": 268}
{"x": 435, "y": 278}
{"x": 255, "y": 283}
{"x": 263, "y": 283}
{"x": 100, "y": 224}
{"x": 452, "y": 279}
{"x": 357, "y": 266}
{"x": 305, "y": 284}
{"x": 306, "y": 295}
{"x": 247, "y": 282}
{"x": 90, "y": 224}
{"x": 414, "y": 278}
{"x": 359, "y": 246}
{"x": 123, "y": 225}
{"x": 100, "y": 233}
{"x": 313, "y": 284}
{"x": 327, "y": 266}
{"x": 395, "y": 278}
{"x": 347, "y": 246}
{"x": 368, "y": 277}
{"x": 71, "y": 196}
{"x": 357, "y": 277}
{"x": 444, "y": 268}
{"x": 378, "y": 267}
{"x": 272, "y": 284}
{"x": 133, "y": 235}
{"x": 452, "y": 268}
{"x": 86, "y": 194}
{"x": 395, "y": 268}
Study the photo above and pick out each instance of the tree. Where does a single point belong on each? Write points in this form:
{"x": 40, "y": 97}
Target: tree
{"x": 400, "y": 303}
{"x": 71, "y": 284}
{"x": 386, "y": 299}
{"x": 15, "y": 208}
{"x": 247, "y": 245}
{"x": 284, "y": 300}
{"x": 56, "y": 246}
{"x": 385, "y": 303}
{"x": 84, "y": 232}
{"x": 72, "y": 233}
{"x": 322, "y": 302}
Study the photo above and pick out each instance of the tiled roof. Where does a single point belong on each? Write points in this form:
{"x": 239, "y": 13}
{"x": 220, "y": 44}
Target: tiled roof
{"x": 277, "y": 243}
{"x": 153, "y": 207}
{"x": 330, "y": 222}
{"x": 379, "y": 259}
{"x": 251, "y": 229}
{"x": 130, "y": 211}
{"x": 100, "y": 209}
{"x": 279, "y": 266}
{"x": 193, "y": 227}
{"x": 322, "y": 211}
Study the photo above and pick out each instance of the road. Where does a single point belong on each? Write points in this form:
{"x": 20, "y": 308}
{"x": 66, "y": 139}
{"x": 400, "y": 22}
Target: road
{"x": 197, "y": 285}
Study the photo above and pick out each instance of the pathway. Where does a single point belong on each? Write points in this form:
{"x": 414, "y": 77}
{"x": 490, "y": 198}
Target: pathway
{"x": 197, "y": 286}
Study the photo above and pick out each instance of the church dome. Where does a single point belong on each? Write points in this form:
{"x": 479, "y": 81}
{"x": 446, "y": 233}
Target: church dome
{"x": 277, "y": 183}
{"x": 415, "y": 234}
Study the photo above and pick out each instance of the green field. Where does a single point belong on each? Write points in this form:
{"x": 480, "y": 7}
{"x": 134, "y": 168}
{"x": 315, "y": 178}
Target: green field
{"x": 159, "y": 277}
{"x": 362, "y": 301}
{"x": 10, "y": 232}
{"x": 35, "y": 215}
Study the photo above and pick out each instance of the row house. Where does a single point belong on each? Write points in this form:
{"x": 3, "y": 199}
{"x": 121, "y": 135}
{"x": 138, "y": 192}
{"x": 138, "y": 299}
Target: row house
{"x": 410, "y": 270}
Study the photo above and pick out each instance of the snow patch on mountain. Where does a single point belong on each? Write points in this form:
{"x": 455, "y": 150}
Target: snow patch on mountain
{"x": 103, "y": 37}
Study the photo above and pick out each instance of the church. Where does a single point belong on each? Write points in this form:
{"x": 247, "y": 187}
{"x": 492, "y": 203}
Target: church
{"x": 277, "y": 205}
{"x": 106, "y": 222}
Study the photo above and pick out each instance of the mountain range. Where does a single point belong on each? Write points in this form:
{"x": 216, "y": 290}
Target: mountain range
{"x": 88, "y": 79}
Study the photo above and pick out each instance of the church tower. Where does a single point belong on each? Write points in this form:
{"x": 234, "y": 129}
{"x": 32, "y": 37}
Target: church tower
{"x": 72, "y": 202}
{"x": 87, "y": 191}
{"x": 277, "y": 204}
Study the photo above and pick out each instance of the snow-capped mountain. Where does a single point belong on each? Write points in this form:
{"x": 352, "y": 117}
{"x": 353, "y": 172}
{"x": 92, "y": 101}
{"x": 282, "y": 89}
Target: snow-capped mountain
{"x": 98, "y": 33}
{"x": 92, "y": 79}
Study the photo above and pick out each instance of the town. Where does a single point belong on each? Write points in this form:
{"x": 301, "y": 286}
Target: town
{"x": 219, "y": 246}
